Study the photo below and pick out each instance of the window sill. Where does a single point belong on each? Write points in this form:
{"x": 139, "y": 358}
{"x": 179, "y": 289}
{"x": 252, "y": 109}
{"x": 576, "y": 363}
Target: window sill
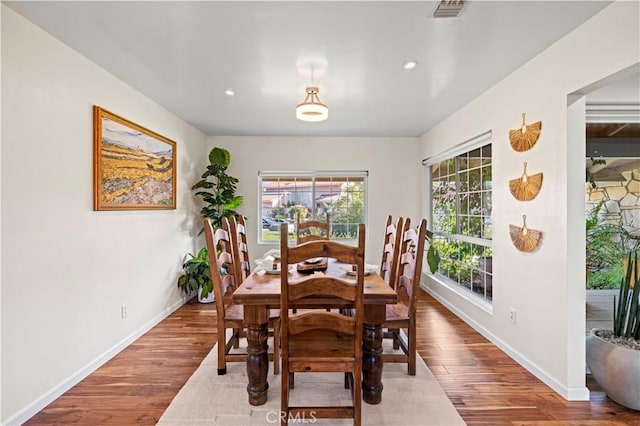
{"x": 462, "y": 292}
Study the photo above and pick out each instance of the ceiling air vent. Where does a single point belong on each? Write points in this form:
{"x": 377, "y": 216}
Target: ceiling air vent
{"x": 448, "y": 9}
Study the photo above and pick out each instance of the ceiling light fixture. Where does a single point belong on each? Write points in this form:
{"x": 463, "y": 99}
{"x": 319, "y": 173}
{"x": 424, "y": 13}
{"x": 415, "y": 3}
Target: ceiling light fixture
{"x": 229, "y": 92}
{"x": 409, "y": 65}
{"x": 312, "y": 109}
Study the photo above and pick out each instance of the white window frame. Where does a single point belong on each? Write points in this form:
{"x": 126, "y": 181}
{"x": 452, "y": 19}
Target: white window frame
{"x": 464, "y": 147}
{"x": 361, "y": 174}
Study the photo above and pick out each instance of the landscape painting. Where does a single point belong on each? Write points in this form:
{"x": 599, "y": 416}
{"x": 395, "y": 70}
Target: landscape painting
{"x": 134, "y": 168}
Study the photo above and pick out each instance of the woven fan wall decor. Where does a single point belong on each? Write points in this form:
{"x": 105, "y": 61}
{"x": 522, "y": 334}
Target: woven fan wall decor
{"x": 524, "y": 138}
{"x": 525, "y": 239}
{"x": 525, "y": 188}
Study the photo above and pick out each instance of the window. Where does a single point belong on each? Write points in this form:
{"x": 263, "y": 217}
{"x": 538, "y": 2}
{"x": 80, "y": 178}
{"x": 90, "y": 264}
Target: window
{"x": 460, "y": 208}
{"x": 312, "y": 195}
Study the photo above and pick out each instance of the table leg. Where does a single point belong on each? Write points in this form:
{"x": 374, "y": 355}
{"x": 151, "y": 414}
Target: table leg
{"x": 372, "y": 353}
{"x": 255, "y": 318}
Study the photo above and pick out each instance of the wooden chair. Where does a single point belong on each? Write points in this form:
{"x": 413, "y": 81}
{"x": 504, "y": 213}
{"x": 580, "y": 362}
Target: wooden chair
{"x": 402, "y": 315}
{"x": 320, "y": 341}
{"x": 242, "y": 262}
{"x": 390, "y": 250}
{"x": 312, "y": 230}
{"x": 229, "y": 315}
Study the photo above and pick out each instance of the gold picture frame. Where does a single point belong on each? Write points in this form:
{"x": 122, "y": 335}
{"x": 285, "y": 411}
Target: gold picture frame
{"x": 134, "y": 168}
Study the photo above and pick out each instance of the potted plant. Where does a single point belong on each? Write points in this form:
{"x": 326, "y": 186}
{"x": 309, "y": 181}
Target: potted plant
{"x": 613, "y": 356}
{"x": 218, "y": 191}
{"x": 197, "y": 277}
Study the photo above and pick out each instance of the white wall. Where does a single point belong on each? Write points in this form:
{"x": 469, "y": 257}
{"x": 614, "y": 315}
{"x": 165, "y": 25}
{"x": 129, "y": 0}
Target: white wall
{"x": 392, "y": 163}
{"x": 66, "y": 269}
{"x": 545, "y": 287}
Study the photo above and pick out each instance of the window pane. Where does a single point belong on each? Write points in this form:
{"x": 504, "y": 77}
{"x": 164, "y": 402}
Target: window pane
{"x": 475, "y": 158}
{"x": 486, "y": 177}
{"x": 475, "y": 203}
{"x": 486, "y": 154}
{"x": 462, "y": 161}
{"x": 475, "y": 181}
{"x": 475, "y": 226}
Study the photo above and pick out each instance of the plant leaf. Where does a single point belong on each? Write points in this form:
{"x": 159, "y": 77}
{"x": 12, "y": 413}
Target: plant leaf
{"x": 433, "y": 259}
{"x": 219, "y": 157}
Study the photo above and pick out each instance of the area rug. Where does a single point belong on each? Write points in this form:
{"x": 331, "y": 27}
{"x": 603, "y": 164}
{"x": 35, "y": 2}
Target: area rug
{"x": 209, "y": 399}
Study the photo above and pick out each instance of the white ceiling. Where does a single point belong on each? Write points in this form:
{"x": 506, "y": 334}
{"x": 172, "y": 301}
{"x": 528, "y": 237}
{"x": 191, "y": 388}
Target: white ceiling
{"x": 184, "y": 55}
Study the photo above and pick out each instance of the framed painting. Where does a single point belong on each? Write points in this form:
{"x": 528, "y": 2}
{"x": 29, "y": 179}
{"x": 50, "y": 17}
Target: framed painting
{"x": 133, "y": 167}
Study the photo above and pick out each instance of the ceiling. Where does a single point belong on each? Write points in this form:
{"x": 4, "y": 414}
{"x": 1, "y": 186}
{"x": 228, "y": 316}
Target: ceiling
{"x": 184, "y": 55}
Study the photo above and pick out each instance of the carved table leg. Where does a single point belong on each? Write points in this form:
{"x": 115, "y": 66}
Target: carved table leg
{"x": 255, "y": 318}
{"x": 372, "y": 363}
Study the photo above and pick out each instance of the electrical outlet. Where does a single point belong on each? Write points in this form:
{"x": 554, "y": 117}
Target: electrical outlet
{"x": 123, "y": 311}
{"x": 512, "y": 315}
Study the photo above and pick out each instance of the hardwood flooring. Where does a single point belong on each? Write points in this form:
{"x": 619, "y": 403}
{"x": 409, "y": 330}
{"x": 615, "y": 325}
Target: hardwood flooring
{"x": 485, "y": 385}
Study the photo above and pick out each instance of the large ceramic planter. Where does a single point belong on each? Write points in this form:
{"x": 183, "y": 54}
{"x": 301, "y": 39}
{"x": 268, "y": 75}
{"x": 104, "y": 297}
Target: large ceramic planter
{"x": 616, "y": 369}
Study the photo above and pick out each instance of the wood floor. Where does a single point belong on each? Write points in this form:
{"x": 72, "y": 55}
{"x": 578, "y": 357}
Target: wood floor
{"x": 485, "y": 385}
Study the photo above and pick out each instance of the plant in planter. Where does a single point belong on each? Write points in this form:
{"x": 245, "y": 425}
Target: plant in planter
{"x": 218, "y": 191}
{"x": 613, "y": 356}
{"x": 197, "y": 277}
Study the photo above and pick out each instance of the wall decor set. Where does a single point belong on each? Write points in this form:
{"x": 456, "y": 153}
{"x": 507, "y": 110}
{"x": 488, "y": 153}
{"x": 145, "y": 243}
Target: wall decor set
{"x": 525, "y": 187}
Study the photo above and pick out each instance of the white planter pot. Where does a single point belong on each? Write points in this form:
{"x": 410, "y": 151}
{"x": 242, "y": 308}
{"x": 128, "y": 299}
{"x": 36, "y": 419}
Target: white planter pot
{"x": 209, "y": 299}
{"x": 616, "y": 369}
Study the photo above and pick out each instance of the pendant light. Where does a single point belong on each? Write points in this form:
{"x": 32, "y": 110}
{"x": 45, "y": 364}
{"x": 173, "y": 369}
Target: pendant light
{"x": 312, "y": 109}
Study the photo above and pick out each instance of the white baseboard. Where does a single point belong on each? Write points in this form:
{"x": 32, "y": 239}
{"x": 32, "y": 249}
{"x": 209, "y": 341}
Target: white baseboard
{"x": 46, "y": 399}
{"x": 570, "y": 394}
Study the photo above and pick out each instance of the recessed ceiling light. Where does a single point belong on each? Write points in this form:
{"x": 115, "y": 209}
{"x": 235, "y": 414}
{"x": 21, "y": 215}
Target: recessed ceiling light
{"x": 409, "y": 65}
{"x": 229, "y": 92}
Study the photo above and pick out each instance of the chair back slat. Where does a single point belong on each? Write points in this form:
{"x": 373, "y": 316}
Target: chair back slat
{"x": 390, "y": 250}
{"x": 320, "y": 320}
{"x": 322, "y": 248}
{"x": 343, "y": 289}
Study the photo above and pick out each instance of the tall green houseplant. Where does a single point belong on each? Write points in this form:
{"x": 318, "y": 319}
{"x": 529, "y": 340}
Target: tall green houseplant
{"x": 217, "y": 189}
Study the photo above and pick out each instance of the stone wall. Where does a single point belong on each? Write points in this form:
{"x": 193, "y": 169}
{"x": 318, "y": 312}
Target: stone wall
{"x": 621, "y": 201}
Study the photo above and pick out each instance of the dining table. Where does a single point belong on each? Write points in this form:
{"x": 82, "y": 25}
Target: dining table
{"x": 260, "y": 291}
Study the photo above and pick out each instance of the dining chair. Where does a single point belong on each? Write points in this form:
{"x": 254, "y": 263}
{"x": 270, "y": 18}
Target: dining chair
{"x": 319, "y": 341}
{"x": 238, "y": 231}
{"x": 312, "y": 230}
{"x": 229, "y": 315}
{"x": 402, "y": 315}
{"x": 390, "y": 250}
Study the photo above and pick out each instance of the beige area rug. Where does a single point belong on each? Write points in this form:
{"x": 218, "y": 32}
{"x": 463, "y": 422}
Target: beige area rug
{"x": 209, "y": 399}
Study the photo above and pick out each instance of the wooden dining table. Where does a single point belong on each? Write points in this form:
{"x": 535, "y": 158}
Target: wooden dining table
{"x": 260, "y": 292}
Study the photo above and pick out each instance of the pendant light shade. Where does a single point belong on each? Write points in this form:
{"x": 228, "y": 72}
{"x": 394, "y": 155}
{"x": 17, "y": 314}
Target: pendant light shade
{"x": 312, "y": 109}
